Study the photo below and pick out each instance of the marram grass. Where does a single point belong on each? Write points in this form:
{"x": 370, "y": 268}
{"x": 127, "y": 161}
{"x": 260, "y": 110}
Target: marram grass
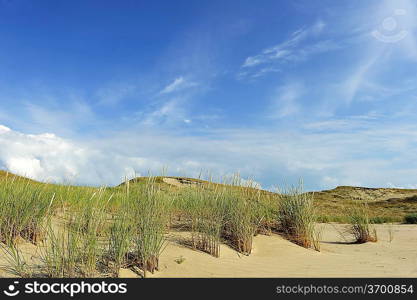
{"x": 297, "y": 218}
{"x": 95, "y": 232}
{"x": 360, "y": 224}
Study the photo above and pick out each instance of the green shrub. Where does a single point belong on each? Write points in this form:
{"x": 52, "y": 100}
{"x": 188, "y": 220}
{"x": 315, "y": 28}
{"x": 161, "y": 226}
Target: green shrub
{"x": 382, "y": 220}
{"x": 411, "y": 218}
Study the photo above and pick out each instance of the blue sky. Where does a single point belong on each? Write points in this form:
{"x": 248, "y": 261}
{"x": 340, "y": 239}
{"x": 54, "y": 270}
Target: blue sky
{"x": 92, "y": 91}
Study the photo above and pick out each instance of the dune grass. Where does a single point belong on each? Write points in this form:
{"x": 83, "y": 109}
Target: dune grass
{"x": 232, "y": 213}
{"x": 360, "y": 224}
{"x": 86, "y": 231}
{"x": 17, "y": 264}
{"x": 94, "y": 232}
{"x": 242, "y": 218}
{"x": 23, "y": 208}
{"x": 150, "y": 212}
{"x": 205, "y": 211}
{"x": 74, "y": 245}
{"x": 297, "y": 218}
{"x": 120, "y": 238}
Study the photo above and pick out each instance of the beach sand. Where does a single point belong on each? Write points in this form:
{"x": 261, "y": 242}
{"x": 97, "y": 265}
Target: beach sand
{"x": 273, "y": 256}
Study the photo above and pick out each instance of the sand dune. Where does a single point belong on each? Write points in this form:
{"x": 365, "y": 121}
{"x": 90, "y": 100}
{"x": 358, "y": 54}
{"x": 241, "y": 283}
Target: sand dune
{"x": 274, "y": 256}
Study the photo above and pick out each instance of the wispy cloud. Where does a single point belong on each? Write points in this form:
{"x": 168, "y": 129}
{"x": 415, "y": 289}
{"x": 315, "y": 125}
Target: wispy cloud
{"x": 285, "y": 100}
{"x": 298, "y": 47}
{"x": 178, "y": 84}
{"x": 167, "y": 113}
{"x": 357, "y": 79}
{"x": 340, "y": 108}
{"x": 65, "y": 115}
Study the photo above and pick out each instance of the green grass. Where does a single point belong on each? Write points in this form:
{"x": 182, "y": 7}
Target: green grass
{"x": 297, "y": 218}
{"x": 411, "y": 219}
{"x": 120, "y": 238}
{"x": 242, "y": 217}
{"x": 383, "y": 220}
{"x": 150, "y": 211}
{"x": 23, "y": 208}
{"x": 94, "y": 232}
{"x": 73, "y": 246}
{"x": 205, "y": 211}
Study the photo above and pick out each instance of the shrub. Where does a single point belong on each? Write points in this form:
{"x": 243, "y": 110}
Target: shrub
{"x": 411, "y": 218}
{"x": 382, "y": 220}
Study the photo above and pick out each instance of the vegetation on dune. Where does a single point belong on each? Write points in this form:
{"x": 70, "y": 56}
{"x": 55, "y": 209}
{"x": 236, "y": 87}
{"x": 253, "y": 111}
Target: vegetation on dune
{"x": 228, "y": 213}
{"x": 23, "y": 209}
{"x": 361, "y": 228}
{"x": 205, "y": 211}
{"x": 94, "y": 232}
{"x": 386, "y": 204}
{"x": 245, "y": 214}
{"x": 297, "y": 218}
{"x": 411, "y": 219}
{"x": 150, "y": 215}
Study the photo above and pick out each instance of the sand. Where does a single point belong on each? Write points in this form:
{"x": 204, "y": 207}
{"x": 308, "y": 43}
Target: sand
{"x": 274, "y": 256}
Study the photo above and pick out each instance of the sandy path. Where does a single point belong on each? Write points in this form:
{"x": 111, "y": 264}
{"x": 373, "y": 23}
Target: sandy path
{"x": 275, "y": 257}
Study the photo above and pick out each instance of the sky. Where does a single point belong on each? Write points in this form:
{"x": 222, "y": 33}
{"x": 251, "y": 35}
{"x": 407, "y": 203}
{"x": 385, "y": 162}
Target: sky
{"x": 92, "y": 92}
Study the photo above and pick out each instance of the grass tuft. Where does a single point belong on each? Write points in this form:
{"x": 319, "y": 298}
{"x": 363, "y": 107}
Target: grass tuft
{"x": 297, "y": 217}
{"x": 360, "y": 225}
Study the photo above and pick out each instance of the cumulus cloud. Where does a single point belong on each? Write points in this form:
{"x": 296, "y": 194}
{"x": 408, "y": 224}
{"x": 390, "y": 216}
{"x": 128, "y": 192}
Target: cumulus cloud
{"x": 48, "y": 157}
{"x": 370, "y": 154}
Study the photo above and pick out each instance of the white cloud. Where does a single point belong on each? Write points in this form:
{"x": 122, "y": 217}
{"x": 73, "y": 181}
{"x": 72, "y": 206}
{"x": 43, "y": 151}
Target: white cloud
{"x": 289, "y": 50}
{"x": 357, "y": 79}
{"x": 4, "y": 129}
{"x": 176, "y": 84}
{"x": 179, "y": 83}
{"x": 285, "y": 101}
{"x": 372, "y": 153}
{"x": 169, "y": 112}
{"x": 64, "y": 116}
{"x": 50, "y": 158}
